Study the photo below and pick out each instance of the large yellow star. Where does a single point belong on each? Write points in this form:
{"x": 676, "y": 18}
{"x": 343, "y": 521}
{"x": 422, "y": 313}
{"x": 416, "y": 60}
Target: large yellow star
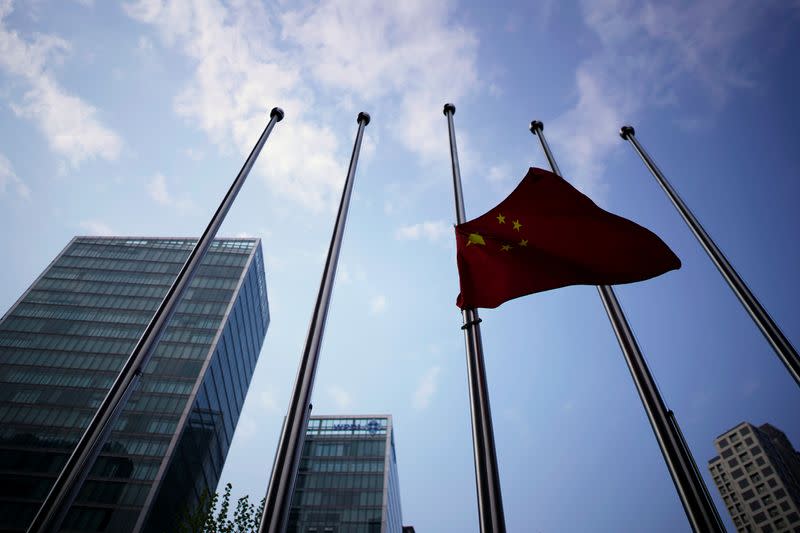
{"x": 523, "y": 242}
{"x": 501, "y": 219}
{"x": 517, "y": 225}
{"x": 505, "y": 247}
{"x": 475, "y": 238}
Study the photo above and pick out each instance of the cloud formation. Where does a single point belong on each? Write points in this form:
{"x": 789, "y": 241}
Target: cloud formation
{"x": 9, "y": 179}
{"x": 687, "y": 56}
{"x": 434, "y": 231}
{"x": 426, "y": 388}
{"x": 69, "y": 123}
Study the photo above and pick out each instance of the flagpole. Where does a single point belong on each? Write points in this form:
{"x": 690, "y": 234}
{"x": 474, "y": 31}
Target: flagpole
{"x": 68, "y": 483}
{"x": 783, "y": 348}
{"x": 487, "y": 476}
{"x": 694, "y": 496}
{"x": 278, "y": 500}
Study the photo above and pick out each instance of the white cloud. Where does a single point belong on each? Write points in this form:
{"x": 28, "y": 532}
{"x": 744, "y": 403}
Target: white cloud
{"x": 69, "y": 123}
{"x": 378, "y": 304}
{"x": 414, "y": 52}
{"x": 499, "y": 173}
{"x": 239, "y": 75}
{"x": 426, "y": 387}
{"x": 8, "y": 178}
{"x": 342, "y": 398}
{"x": 157, "y": 189}
{"x": 194, "y": 154}
{"x": 433, "y": 231}
{"x": 649, "y": 55}
{"x": 96, "y": 227}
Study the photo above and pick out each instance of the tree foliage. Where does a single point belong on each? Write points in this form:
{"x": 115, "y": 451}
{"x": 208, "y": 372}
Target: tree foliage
{"x": 212, "y": 515}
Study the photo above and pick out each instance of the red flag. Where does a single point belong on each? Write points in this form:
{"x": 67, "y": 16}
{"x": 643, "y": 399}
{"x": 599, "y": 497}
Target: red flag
{"x": 546, "y": 235}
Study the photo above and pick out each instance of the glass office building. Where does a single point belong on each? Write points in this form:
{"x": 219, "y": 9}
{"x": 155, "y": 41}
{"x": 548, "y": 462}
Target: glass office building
{"x": 61, "y": 346}
{"x": 347, "y": 478}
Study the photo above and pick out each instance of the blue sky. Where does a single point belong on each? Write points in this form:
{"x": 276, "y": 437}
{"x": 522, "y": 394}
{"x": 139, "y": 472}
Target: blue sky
{"x": 132, "y": 118}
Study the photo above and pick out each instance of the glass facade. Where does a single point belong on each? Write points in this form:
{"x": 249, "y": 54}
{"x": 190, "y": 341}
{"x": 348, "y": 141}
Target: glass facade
{"x": 65, "y": 339}
{"x": 347, "y": 479}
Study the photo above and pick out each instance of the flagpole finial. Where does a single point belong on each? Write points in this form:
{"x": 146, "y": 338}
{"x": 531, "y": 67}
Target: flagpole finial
{"x": 449, "y": 107}
{"x": 626, "y": 131}
{"x": 536, "y": 126}
{"x": 363, "y": 117}
{"x": 276, "y": 112}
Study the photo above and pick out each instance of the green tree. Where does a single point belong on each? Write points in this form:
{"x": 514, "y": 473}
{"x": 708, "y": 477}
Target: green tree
{"x": 211, "y": 515}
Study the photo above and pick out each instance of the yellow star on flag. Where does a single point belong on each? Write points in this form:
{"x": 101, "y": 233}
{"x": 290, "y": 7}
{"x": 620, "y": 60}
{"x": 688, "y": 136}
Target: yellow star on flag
{"x": 523, "y": 242}
{"x": 501, "y": 219}
{"x": 517, "y": 225}
{"x": 505, "y": 247}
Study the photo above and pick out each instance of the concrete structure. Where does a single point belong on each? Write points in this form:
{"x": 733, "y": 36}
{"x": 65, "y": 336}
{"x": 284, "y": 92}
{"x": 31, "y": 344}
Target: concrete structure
{"x": 757, "y": 472}
{"x": 347, "y": 479}
{"x": 63, "y": 343}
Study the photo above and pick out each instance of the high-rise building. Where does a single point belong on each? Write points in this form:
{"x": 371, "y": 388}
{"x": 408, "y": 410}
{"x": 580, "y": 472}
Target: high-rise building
{"x": 63, "y": 343}
{"x": 757, "y": 472}
{"x": 347, "y": 478}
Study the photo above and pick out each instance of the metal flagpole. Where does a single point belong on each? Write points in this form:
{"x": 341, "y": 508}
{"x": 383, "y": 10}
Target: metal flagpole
{"x": 287, "y": 458}
{"x": 69, "y": 481}
{"x": 487, "y": 477}
{"x": 693, "y": 493}
{"x": 783, "y": 348}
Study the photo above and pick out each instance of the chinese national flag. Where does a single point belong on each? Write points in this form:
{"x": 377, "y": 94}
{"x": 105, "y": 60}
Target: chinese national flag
{"x": 546, "y": 235}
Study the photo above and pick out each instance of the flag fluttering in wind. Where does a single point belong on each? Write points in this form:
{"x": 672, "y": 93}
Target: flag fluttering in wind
{"x": 545, "y": 235}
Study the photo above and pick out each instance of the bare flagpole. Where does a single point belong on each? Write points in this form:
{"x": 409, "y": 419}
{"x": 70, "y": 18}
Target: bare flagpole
{"x": 694, "y": 496}
{"x": 783, "y": 348}
{"x": 67, "y": 484}
{"x": 290, "y": 447}
{"x": 487, "y": 477}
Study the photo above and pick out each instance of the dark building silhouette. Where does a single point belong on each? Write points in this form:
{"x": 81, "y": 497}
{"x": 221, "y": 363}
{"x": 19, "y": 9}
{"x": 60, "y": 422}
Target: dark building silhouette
{"x": 347, "y": 479}
{"x": 61, "y": 346}
{"x": 757, "y": 473}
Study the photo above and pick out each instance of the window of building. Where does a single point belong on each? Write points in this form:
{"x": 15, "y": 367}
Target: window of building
{"x": 773, "y": 511}
{"x": 772, "y": 483}
{"x": 734, "y": 437}
{"x": 761, "y": 489}
{"x": 755, "y": 505}
{"x": 733, "y": 462}
{"x": 756, "y": 477}
{"x": 743, "y": 483}
{"x": 767, "y": 499}
{"x": 785, "y": 506}
{"x": 748, "y": 494}
{"x": 793, "y": 518}
{"x": 727, "y": 453}
{"x": 745, "y": 430}
{"x": 723, "y": 443}
{"x": 780, "y": 493}
{"x": 780, "y": 523}
{"x": 759, "y": 517}
{"x": 738, "y": 447}
{"x": 755, "y": 450}
{"x": 767, "y": 471}
{"x": 749, "y": 441}
{"x": 749, "y": 468}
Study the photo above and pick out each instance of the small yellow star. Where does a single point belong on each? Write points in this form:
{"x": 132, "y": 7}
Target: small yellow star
{"x": 517, "y": 225}
{"x": 505, "y": 247}
{"x": 501, "y": 219}
{"x": 523, "y": 242}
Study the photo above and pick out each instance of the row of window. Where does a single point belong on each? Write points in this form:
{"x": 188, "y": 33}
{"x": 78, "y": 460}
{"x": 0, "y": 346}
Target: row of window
{"x": 125, "y": 468}
{"x": 152, "y": 447}
{"x": 113, "y": 493}
{"x": 44, "y": 341}
{"x": 151, "y": 384}
{"x": 353, "y": 498}
{"x": 167, "y": 243}
{"x": 41, "y": 358}
{"x": 136, "y": 278}
{"x": 339, "y": 516}
{"x": 42, "y": 376}
{"x": 51, "y": 297}
{"x": 349, "y": 448}
{"x": 227, "y": 258}
{"x": 36, "y": 416}
{"x": 147, "y": 267}
{"x": 341, "y": 466}
{"x": 130, "y": 290}
{"x": 340, "y": 481}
